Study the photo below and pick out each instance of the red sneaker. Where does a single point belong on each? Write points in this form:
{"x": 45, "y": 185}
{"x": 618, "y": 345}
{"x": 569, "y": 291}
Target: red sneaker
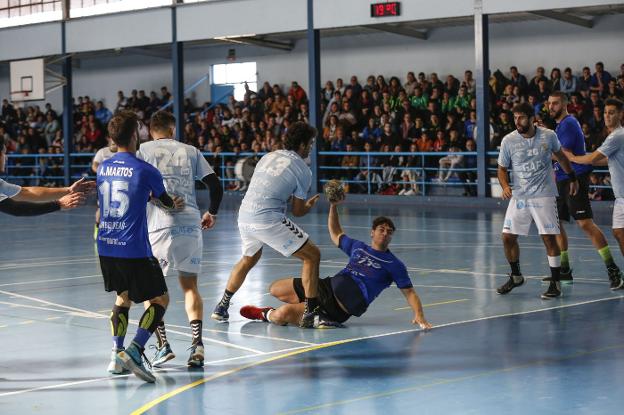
{"x": 254, "y": 313}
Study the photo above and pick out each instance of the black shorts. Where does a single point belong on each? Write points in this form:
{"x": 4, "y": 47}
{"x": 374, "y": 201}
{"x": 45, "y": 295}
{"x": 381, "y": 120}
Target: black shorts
{"x": 326, "y": 298}
{"x": 577, "y": 206}
{"x": 141, "y": 277}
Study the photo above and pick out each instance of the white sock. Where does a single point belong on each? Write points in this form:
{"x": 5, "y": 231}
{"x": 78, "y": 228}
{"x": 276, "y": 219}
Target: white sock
{"x": 554, "y": 261}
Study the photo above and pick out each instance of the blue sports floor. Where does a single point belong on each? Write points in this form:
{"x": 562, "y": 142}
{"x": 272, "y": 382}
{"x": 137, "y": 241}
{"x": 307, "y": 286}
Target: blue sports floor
{"x": 488, "y": 354}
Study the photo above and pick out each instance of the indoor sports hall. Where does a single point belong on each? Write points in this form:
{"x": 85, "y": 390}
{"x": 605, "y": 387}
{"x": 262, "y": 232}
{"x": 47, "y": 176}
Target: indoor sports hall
{"x": 400, "y": 92}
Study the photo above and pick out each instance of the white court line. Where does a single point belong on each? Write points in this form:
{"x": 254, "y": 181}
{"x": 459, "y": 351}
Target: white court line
{"x": 87, "y": 313}
{"x": 248, "y": 335}
{"x": 456, "y": 288}
{"x": 52, "y": 280}
{"x": 47, "y": 264}
{"x": 344, "y": 342}
{"x": 38, "y": 308}
{"x": 38, "y": 300}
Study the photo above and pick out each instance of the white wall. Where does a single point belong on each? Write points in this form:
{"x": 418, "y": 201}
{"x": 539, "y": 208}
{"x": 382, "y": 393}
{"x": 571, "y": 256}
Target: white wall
{"x": 448, "y": 50}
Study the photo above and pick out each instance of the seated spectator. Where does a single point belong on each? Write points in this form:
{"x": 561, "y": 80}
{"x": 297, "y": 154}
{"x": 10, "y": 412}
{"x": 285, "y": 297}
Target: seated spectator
{"x": 568, "y": 84}
{"x": 596, "y": 192}
{"x": 449, "y": 163}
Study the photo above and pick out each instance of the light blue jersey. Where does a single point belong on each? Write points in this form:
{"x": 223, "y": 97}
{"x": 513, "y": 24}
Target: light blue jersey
{"x": 613, "y": 148}
{"x": 530, "y": 160}
{"x": 277, "y": 176}
{"x": 8, "y": 190}
{"x": 180, "y": 165}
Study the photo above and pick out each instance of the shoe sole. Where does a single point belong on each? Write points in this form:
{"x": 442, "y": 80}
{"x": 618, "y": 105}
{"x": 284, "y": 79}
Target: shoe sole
{"x": 550, "y": 297}
{"x": 121, "y": 371}
{"x": 619, "y": 286}
{"x": 163, "y": 360}
{"x": 516, "y": 286}
{"x": 195, "y": 363}
{"x": 219, "y": 318}
{"x": 547, "y": 281}
{"x": 126, "y": 361}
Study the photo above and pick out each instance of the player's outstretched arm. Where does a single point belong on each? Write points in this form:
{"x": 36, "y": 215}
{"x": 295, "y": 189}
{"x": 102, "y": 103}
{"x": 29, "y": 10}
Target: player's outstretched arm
{"x": 49, "y": 194}
{"x": 168, "y": 203}
{"x": 596, "y": 158}
{"x": 301, "y": 207}
{"x": 333, "y": 224}
{"x": 414, "y": 302}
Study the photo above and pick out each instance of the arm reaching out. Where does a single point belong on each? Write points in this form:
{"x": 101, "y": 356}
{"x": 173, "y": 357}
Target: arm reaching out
{"x": 414, "y": 302}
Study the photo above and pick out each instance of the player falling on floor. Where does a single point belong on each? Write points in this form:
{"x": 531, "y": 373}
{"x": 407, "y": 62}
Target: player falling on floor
{"x": 125, "y": 185}
{"x": 612, "y": 151}
{"x": 578, "y": 206}
{"x": 528, "y": 151}
{"x": 262, "y": 220}
{"x": 371, "y": 269}
{"x": 176, "y": 237}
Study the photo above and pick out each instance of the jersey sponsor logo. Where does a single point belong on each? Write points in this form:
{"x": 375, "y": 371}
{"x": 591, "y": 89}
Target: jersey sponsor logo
{"x": 196, "y": 261}
{"x": 520, "y": 204}
{"x": 551, "y": 226}
{"x": 117, "y": 171}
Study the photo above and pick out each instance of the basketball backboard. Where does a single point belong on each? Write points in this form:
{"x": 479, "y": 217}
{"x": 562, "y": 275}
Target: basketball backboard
{"x": 27, "y": 80}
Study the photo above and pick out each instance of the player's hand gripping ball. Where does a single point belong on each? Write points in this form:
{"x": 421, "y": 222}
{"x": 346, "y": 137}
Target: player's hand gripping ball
{"x": 334, "y": 192}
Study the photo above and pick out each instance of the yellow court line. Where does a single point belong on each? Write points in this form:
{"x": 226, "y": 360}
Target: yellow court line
{"x": 449, "y": 381}
{"x": 175, "y": 392}
{"x": 26, "y": 322}
{"x": 434, "y": 304}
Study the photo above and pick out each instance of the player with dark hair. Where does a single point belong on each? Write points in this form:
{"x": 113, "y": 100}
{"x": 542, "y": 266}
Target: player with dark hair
{"x": 125, "y": 185}
{"x": 572, "y": 139}
{"x": 528, "y": 151}
{"x": 612, "y": 151}
{"x": 371, "y": 269}
{"x": 262, "y": 219}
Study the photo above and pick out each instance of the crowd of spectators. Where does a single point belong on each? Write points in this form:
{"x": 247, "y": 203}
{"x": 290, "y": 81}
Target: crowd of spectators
{"x": 421, "y": 113}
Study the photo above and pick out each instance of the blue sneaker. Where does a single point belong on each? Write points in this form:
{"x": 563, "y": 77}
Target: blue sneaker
{"x": 132, "y": 359}
{"x": 114, "y": 367}
{"x": 220, "y": 313}
{"x": 196, "y": 359}
{"x": 162, "y": 355}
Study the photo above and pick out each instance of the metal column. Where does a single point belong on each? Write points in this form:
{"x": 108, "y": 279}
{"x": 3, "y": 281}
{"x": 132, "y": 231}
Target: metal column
{"x": 177, "y": 61}
{"x": 482, "y": 65}
{"x": 314, "y": 81}
{"x": 68, "y": 106}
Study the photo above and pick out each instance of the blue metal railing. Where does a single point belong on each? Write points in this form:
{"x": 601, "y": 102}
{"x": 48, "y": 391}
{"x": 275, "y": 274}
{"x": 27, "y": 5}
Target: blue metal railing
{"x": 36, "y": 169}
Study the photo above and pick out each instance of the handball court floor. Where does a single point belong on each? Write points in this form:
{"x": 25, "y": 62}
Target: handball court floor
{"x": 487, "y": 353}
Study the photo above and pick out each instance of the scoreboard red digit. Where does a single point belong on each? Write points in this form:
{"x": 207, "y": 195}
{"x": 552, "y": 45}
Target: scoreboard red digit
{"x": 391, "y": 8}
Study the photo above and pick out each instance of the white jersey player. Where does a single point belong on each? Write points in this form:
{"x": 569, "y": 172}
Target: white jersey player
{"x": 278, "y": 177}
{"x": 176, "y": 237}
{"x": 528, "y": 151}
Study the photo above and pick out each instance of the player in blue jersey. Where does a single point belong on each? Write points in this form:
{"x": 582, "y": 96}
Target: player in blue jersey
{"x": 125, "y": 185}
{"x": 528, "y": 151}
{"x": 371, "y": 269}
{"x": 612, "y": 152}
{"x": 572, "y": 139}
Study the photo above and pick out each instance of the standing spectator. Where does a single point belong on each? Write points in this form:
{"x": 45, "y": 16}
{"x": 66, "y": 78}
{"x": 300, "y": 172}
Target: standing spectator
{"x": 102, "y": 113}
{"x": 469, "y": 82}
{"x": 51, "y": 127}
{"x": 555, "y": 79}
{"x": 410, "y": 84}
{"x": 297, "y": 93}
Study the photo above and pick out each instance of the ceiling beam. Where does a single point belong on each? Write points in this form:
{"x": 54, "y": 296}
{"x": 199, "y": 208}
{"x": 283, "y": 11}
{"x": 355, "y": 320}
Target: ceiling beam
{"x": 566, "y": 18}
{"x": 155, "y": 53}
{"x": 398, "y": 30}
{"x": 259, "y": 41}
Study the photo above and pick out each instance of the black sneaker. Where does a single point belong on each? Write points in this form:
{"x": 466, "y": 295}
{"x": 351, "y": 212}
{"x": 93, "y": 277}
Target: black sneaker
{"x": 509, "y": 285}
{"x": 565, "y": 276}
{"x": 553, "y": 291}
{"x": 615, "y": 276}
